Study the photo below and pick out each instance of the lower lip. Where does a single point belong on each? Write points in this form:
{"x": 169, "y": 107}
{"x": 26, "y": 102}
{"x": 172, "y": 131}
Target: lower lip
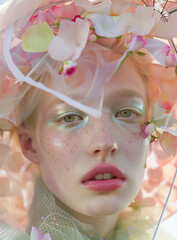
{"x": 104, "y": 185}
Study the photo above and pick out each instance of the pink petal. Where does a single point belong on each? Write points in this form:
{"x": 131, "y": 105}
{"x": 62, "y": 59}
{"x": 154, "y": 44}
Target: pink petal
{"x": 158, "y": 49}
{"x": 171, "y": 60}
{"x": 147, "y": 130}
{"x": 136, "y": 43}
{"x": 68, "y": 11}
{"x": 169, "y": 89}
{"x": 38, "y": 235}
{"x": 169, "y": 143}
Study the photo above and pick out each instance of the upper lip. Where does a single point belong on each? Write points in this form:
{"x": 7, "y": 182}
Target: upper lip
{"x": 103, "y": 168}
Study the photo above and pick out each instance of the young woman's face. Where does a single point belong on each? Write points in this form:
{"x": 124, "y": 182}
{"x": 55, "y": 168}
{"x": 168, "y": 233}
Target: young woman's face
{"x": 79, "y": 153}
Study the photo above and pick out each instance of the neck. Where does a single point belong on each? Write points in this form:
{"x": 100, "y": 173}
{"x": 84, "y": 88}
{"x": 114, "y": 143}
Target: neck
{"x": 104, "y": 225}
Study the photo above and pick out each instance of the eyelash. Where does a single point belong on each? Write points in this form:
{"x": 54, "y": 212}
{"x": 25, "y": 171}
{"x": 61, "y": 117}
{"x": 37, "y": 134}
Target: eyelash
{"x": 76, "y": 118}
{"x": 133, "y": 114}
{"x": 62, "y": 119}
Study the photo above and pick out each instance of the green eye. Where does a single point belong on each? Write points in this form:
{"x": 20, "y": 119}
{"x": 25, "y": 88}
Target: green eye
{"x": 125, "y": 113}
{"x": 70, "y": 118}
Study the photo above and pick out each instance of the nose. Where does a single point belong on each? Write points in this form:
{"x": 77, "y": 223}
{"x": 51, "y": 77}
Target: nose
{"x": 105, "y": 148}
{"x": 102, "y": 137}
{"x": 103, "y": 141}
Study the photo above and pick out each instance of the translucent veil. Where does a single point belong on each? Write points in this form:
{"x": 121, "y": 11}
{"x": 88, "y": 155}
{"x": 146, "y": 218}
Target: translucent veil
{"x": 17, "y": 102}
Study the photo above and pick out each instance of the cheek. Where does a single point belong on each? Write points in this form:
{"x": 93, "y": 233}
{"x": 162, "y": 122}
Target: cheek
{"x": 58, "y": 148}
{"x": 58, "y": 155}
{"x": 133, "y": 145}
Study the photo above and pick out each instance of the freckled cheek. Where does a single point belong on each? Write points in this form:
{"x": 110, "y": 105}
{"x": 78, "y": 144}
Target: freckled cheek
{"x": 59, "y": 148}
{"x": 133, "y": 141}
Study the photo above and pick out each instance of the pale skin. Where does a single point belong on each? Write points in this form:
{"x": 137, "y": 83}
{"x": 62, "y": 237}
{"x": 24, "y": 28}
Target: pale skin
{"x": 67, "y": 143}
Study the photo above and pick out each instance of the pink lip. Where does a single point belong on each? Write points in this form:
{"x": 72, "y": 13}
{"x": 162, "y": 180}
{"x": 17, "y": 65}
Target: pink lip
{"x": 104, "y": 185}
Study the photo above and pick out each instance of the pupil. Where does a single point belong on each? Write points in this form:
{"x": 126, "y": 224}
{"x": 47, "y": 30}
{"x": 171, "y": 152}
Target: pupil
{"x": 126, "y": 113}
{"x": 69, "y": 118}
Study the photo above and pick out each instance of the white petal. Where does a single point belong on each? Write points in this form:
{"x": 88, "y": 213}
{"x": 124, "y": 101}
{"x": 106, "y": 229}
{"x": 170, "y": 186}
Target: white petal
{"x": 80, "y": 35}
{"x": 107, "y": 26}
{"x": 171, "y": 131}
{"x": 144, "y": 21}
{"x": 60, "y": 50}
{"x": 93, "y": 6}
{"x": 69, "y": 44}
{"x": 159, "y": 112}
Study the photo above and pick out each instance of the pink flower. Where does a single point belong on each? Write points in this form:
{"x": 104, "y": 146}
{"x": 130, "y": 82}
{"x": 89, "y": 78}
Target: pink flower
{"x": 70, "y": 41}
{"x": 92, "y": 37}
{"x": 166, "y": 80}
{"x": 69, "y": 68}
{"x": 77, "y": 16}
{"x": 67, "y": 11}
{"x": 38, "y": 235}
{"x": 161, "y": 52}
{"x": 147, "y": 130}
{"x": 135, "y": 43}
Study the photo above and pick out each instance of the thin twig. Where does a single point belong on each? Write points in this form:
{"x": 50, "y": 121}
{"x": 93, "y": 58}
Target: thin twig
{"x": 172, "y": 45}
{"x": 165, "y": 206}
{"x": 173, "y": 10}
{"x": 164, "y": 6}
{"x": 145, "y": 3}
{"x": 172, "y": 3}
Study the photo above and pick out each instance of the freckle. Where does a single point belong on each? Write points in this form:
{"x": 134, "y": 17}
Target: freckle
{"x": 67, "y": 169}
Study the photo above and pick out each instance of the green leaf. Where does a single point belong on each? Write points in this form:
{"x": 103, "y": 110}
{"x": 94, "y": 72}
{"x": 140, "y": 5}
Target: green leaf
{"x": 141, "y": 53}
{"x": 121, "y": 63}
{"x": 37, "y": 38}
{"x": 176, "y": 70}
{"x": 60, "y": 71}
{"x": 130, "y": 53}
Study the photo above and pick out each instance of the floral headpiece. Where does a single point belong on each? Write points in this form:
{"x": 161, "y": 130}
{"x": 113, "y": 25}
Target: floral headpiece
{"x": 55, "y": 34}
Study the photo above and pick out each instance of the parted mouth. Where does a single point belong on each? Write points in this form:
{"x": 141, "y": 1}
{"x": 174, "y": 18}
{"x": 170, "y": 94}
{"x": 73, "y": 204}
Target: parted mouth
{"x": 103, "y": 172}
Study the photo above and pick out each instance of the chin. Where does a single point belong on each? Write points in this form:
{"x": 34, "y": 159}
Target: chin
{"x": 106, "y": 206}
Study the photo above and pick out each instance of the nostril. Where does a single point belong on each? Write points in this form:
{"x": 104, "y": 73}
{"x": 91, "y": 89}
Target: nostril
{"x": 97, "y": 151}
{"x": 113, "y": 150}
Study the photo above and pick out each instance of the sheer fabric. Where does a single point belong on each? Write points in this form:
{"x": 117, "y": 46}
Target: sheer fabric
{"x": 48, "y": 217}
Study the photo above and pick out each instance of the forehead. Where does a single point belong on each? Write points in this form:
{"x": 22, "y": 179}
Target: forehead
{"x": 126, "y": 84}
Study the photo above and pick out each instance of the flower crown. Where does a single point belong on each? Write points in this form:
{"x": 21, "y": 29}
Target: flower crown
{"x": 65, "y": 39}
{"x": 50, "y": 32}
